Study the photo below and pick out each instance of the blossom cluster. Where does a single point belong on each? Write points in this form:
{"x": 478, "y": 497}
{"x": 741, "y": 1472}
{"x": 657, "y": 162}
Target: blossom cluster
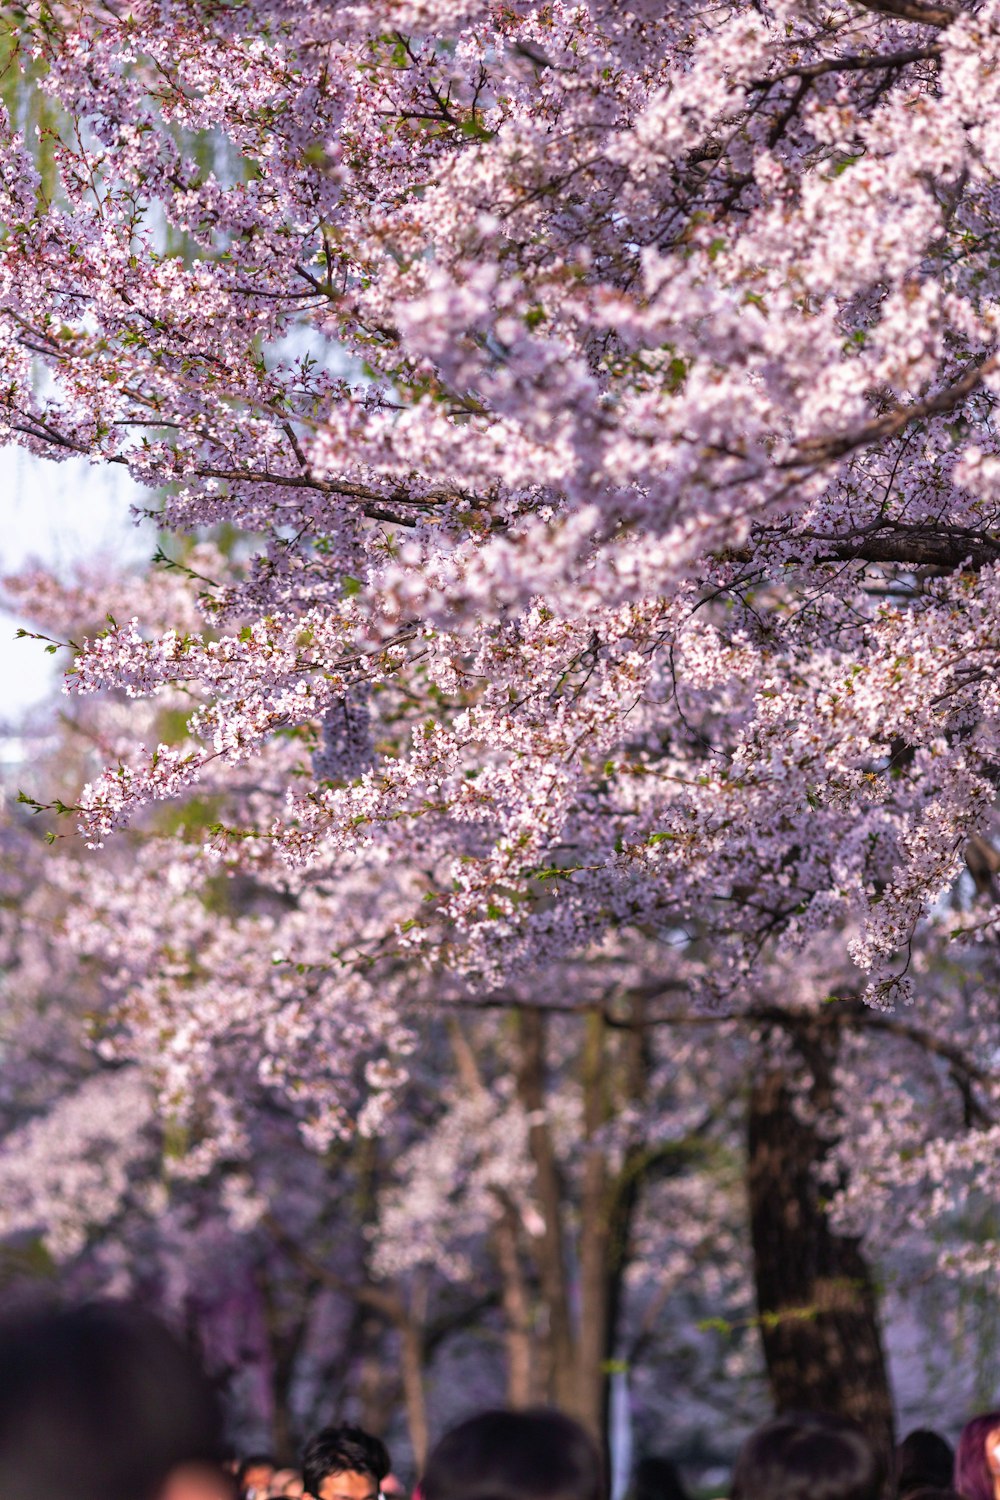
{"x": 600, "y": 399}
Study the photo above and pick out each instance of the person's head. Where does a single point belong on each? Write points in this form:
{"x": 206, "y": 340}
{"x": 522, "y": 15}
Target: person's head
{"x": 514, "y": 1455}
{"x": 102, "y": 1401}
{"x": 253, "y": 1477}
{"x": 977, "y": 1459}
{"x": 285, "y": 1483}
{"x": 200, "y": 1482}
{"x": 807, "y": 1456}
{"x": 657, "y": 1479}
{"x": 344, "y": 1463}
{"x": 923, "y": 1460}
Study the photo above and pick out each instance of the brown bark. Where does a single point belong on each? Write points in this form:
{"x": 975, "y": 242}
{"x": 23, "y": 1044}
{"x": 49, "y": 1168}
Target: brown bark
{"x": 523, "y": 1363}
{"x": 626, "y": 1190}
{"x": 465, "y": 1058}
{"x": 921, "y": 547}
{"x": 912, "y": 10}
{"x": 593, "y": 1351}
{"x": 412, "y": 1369}
{"x": 522, "y": 1388}
{"x": 553, "y": 1355}
{"x": 373, "y": 1386}
{"x": 550, "y": 1249}
{"x": 815, "y": 1297}
{"x": 578, "y": 1351}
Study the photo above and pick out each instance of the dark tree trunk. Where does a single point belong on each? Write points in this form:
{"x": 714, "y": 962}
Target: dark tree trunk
{"x": 815, "y": 1297}
{"x": 593, "y": 1334}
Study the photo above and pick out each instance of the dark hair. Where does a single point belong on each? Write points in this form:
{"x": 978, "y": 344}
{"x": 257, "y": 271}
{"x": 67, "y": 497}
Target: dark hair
{"x": 931, "y": 1492}
{"x": 98, "y": 1401}
{"x": 343, "y": 1450}
{"x": 807, "y": 1456}
{"x": 972, "y": 1473}
{"x": 657, "y": 1479}
{"x": 923, "y": 1460}
{"x": 514, "y": 1455}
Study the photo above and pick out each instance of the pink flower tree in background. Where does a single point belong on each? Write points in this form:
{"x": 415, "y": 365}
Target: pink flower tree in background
{"x": 592, "y": 410}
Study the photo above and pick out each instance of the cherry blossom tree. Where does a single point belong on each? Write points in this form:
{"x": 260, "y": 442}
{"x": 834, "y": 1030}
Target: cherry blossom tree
{"x": 529, "y": 1182}
{"x": 598, "y": 404}
{"x": 602, "y": 388}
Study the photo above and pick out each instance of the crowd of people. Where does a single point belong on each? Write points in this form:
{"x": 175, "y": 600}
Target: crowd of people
{"x": 103, "y": 1403}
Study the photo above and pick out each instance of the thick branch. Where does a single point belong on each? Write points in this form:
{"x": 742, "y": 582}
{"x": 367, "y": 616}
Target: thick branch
{"x": 923, "y": 545}
{"x": 891, "y": 423}
{"x": 852, "y": 63}
{"x": 910, "y": 10}
{"x": 920, "y": 546}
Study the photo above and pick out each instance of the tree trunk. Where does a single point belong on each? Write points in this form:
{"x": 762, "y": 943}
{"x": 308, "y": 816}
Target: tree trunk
{"x": 581, "y": 1342}
{"x": 526, "y": 1384}
{"x": 626, "y": 1191}
{"x": 817, "y": 1304}
{"x": 593, "y": 1351}
{"x": 522, "y": 1366}
{"x": 412, "y": 1368}
{"x": 550, "y": 1248}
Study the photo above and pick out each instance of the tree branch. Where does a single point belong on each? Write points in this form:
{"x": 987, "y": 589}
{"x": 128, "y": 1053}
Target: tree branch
{"x": 909, "y": 10}
{"x": 891, "y": 423}
{"x": 851, "y": 64}
{"x": 921, "y": 546}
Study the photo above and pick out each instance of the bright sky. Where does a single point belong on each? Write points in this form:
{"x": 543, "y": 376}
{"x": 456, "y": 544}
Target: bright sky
{"x": 58, "y": 514}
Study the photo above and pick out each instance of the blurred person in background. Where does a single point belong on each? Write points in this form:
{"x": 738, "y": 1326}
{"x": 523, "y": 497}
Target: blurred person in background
{"x": 924, "y": 1460}
{"x": 657, "y": 1479}
{"x": 253, "y": 1477}
{"x": 807, "y": 1456}
{"x": 977, "y": 1460}
{"x": 285, "y": 1483}
{"x": 101, "y": 1402}
{"x": 515, "y": 1455}
{"x": 344, "y": 1463}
